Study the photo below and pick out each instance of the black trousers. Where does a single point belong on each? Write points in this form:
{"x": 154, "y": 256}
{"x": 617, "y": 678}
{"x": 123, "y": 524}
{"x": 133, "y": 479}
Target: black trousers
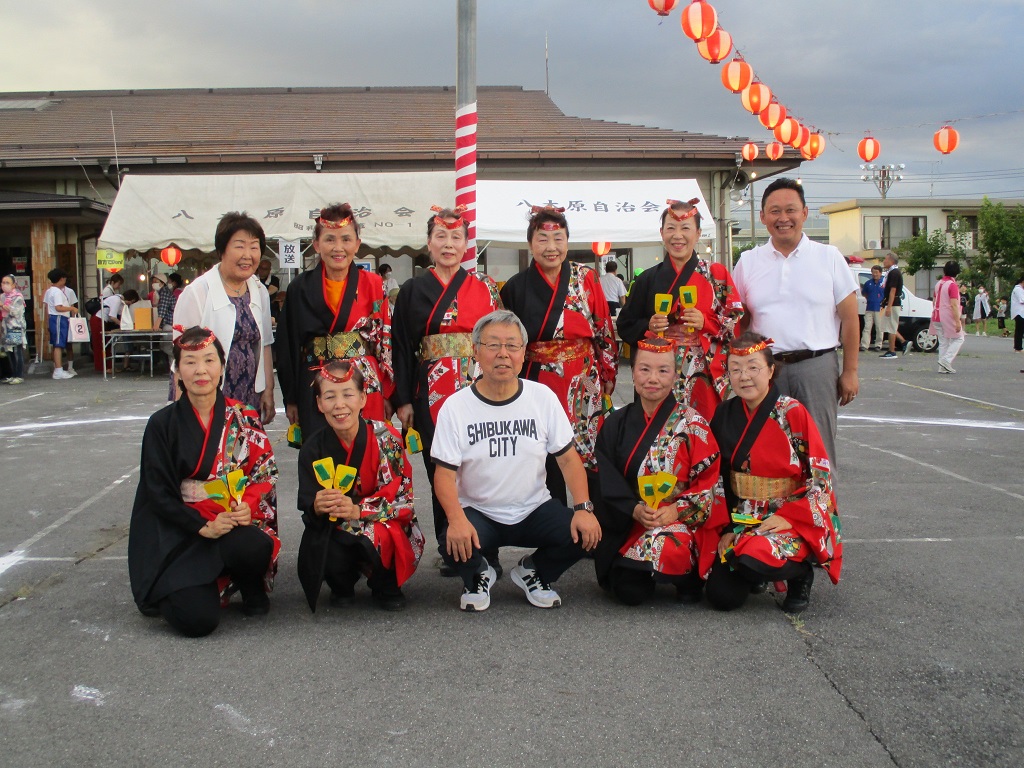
{"x": 632, "y": 586}
{"x": 1018, "y": 333}
{"x": 349, "y": 555}
{"x": 425, "y": 426}
{"x": 547, "y": 528}
{"x": 728, "y": 586}
{"x": 195, "y": 611}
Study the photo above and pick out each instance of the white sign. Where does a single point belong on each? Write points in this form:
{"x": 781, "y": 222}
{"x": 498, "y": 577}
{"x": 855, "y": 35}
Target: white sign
{"x": 23, "y": 284}
{"x": 288, "y": 252}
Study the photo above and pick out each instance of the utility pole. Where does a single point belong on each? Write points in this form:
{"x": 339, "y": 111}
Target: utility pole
{"x": 466, "y": 122}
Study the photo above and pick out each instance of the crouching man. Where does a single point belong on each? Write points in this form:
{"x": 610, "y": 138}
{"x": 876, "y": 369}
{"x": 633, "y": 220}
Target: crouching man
{"x": 490, "y": 446}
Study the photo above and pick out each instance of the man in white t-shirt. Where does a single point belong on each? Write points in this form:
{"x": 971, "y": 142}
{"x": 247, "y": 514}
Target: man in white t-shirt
{"x": 490, "y": 446}
{"x": 613, "y": 288}
{"x": 60, "y": 305}
{"x": 803, "y": 296}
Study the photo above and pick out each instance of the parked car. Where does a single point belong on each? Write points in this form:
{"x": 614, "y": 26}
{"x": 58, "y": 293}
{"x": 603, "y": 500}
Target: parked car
{"x": 915, "y": 314}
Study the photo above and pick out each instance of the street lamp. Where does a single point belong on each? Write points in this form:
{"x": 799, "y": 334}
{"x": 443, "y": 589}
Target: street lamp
{"x": 883, "y": 176}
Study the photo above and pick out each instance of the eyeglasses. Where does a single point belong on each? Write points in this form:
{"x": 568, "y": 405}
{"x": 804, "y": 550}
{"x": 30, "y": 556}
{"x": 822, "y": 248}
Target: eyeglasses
{"x": 511, "y": 347}
{"x": 750, "y": 370}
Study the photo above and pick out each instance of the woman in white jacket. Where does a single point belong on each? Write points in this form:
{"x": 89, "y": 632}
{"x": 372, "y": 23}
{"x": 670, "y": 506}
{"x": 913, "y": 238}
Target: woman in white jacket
{"x": 982, "y": 310}
{"x": 232, "y": 302}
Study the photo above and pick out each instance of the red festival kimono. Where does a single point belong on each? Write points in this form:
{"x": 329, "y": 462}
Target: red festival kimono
{"x": 701, "y": 355}
{"x": 383, "y": 490}
{"x": 773, "y": 462}
{"x": 428, "y": 366}
{"x": 572, "y": 349}
{"x": 311, "y": 332}
{"x": 179, "y": 456}
{"x": 674, "y": 439}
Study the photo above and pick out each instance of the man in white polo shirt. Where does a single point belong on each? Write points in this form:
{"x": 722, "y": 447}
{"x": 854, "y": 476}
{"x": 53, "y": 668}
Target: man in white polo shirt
{"x": 802, "y": 295}
{"x": 490, "y": 446}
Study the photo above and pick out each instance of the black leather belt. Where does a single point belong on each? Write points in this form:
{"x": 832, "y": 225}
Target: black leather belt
{"x": 799, "y": 355}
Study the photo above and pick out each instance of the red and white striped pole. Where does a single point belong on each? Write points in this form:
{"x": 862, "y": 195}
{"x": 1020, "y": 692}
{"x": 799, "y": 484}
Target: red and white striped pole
{"x": 466, "y": 122}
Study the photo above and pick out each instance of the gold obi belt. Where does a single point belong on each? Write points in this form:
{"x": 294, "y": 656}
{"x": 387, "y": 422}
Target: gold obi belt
{"x": 764, "y": 488}
{"x": 558, "y": 351}
{"x": 446, "y": 345}
{"x": 337, "y": 346}
{"x": 679, "y": 332}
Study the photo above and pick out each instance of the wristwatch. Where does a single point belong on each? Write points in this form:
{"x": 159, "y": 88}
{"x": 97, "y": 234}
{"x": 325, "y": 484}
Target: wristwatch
{"x": 583, "y": 506}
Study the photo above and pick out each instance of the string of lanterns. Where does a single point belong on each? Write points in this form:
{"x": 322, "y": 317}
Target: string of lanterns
{"x": 699, "y": 22}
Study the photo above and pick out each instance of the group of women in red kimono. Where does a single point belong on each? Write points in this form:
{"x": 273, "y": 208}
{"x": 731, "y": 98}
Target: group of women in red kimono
{"x": 750, "y": 499}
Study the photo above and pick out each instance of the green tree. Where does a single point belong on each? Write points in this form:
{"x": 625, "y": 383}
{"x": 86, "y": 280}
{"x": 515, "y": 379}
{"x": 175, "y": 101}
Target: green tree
{"x": 923, "y": 251}
{"x": 1000, "y": 241}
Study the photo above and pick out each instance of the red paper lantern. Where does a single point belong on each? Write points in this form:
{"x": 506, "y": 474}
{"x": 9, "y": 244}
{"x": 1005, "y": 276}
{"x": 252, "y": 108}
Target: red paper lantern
{"x": 736, "y": 75}
{"x": 774, "y": 150}
{"x": 170, "y": 256}
{"x": 113, "y": 269}
{"x": 806, "y": 154}
{"x": 815, "y": 145}
{"x": 750, "y": 151}
{"x": 772, "y": 115}
{"x": 716, "y": 46}
{"x": 868, "y": 149}
{"x": 601, "y": 249}
{"x": 802, "y": 136}
{"x": 755, "y": 97}
{"x": 699, "y": 20}
{"x": 946, "y": 139}
{"x": 663, "y": 7}
{"x": 786, "y": 130}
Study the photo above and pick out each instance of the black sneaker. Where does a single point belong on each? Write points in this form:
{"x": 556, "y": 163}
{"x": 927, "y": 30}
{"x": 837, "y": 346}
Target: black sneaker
{"x": 798, "y": 593}
{"x": 257, "y": 604}
{"x": 479, "y": 597}
{"x": 390, "y": 601}
{"x": 343, "y": 599}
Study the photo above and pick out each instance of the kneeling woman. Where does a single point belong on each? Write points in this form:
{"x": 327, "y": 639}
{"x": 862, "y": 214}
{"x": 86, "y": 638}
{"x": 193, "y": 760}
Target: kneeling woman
{"x": 782, "y": 516}
{"x": 372, "y": 529}
{"x": 654, "y": 434}
{"x": 191, "y": 545}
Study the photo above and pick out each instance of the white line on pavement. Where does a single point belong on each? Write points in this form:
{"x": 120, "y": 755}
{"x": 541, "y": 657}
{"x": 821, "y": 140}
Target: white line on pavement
{"x": 959, "y": 397}
{"x": 77, "y": 423}
{"x": 940, "y": 470}
{"x": 1013, "y": 426}
{"x": 26, "y": 397}
{"x": 18, "y": 554}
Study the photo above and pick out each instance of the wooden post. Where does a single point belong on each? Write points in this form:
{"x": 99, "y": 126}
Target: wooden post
{"x": 44, "y": 258}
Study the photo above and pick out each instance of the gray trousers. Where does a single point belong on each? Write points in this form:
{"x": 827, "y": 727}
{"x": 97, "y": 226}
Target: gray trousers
{"x": 815, "y": 383}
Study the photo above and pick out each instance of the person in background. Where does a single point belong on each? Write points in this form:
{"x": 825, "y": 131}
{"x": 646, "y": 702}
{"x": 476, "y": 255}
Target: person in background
{"x": 176, "y": 284}
{"x": 872, "y": 291}
{"x": 189, "y": 548}
{"x": 803, "y": 295}
{"x": 982, "y": 311}
{"x": 780, "y": 515}
{"x": 334, "y": 311}
{"x": 1017, "y": 314}
{"x": 892, "y": 304}
{"x": 114, "y": 285}
{"x": 12, "y": 312}
{"x": 60, "y": 306}
{"x": 1001, "y": 307}
{"x": 703, "y": 331}
{"x": 230, "y": 300}
{"x": 946, "y": 322}
{"x": 271, "y": 282}
{"x": 613, "y": 287}
{"x": 391, "y": 286}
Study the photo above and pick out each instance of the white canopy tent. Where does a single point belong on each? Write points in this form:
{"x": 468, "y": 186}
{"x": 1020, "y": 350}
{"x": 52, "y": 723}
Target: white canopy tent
{"x": 156, "y": 211}
{"x": 625, "y": 211}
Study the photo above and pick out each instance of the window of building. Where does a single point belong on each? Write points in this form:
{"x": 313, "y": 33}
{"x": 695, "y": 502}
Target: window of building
{"x": 896, "y": 229}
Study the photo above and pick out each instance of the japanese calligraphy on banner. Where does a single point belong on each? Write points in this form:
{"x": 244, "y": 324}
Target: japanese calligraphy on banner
{"x": 108, "y": 259}
{"x": 392, "y": 208}
{"x": 626, "y": 211}
{"x": 288, "y": 252}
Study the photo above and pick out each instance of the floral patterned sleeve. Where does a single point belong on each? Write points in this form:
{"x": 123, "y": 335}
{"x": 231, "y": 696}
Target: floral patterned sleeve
{"x": 695, "y": 502}
{"x": 727, "y": 309}
{"x": 603, "y": 329}
{"x": 394, "y": 479}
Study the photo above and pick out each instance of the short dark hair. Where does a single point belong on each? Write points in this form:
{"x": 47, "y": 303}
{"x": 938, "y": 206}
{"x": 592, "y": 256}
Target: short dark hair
{"x": 749, "y": 339}
{"x": 131, "y": 295}
{"x": 383, "y": 269}
{"x": 56, "y": 275}
{"x": 175, "y": 279}
{"x": 680, "y": 206}
{"x": 545, "y": 215}
{"x": 784, "y": 183}
{"x": 117, "y": 277}
{"x": 876, "y": 268}
{"x": 340, "y": 368}
{"x": 611, "y": 266}
{"x": 951, "y": 269}
{"x": 335, "y": 212}
{"x": 233, "y": 222}
{"x": 446, "y": 213}
{"x": 195, "y": 335}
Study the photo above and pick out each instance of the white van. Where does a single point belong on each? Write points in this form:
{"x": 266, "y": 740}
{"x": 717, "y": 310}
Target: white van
{"x": 915, "y": 314}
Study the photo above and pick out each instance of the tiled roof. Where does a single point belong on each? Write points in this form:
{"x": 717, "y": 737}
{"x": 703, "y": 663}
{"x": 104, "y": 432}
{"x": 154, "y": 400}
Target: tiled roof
{"x": 345, "y": 124}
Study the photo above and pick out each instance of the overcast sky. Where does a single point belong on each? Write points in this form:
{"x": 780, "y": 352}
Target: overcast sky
{"x": 897, "y": 68}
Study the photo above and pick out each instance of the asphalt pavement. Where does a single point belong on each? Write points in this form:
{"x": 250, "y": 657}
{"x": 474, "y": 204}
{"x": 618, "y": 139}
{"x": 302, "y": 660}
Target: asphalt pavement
{"x": 914, "y": 659}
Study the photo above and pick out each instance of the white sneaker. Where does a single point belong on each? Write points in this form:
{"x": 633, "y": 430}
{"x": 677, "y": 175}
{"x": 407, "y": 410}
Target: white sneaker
{"x": 538, "y": 592}
{"x": 945, "y": 367}
{"x": 71, "y": 371}
{"x": 60, "y": 373}
{"x": 479, "y": 598}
